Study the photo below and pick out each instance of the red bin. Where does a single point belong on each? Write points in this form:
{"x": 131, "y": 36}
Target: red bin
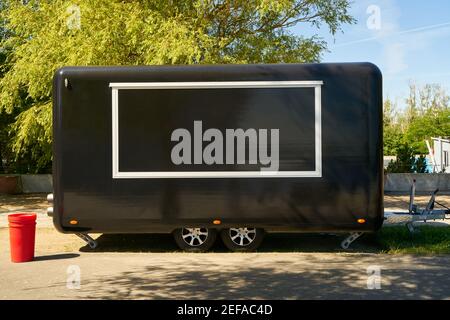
{"x": 22, "y": 232}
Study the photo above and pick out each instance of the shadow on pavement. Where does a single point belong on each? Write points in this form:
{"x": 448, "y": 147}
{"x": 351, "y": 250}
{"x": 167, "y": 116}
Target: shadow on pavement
{"x": 309, "y": 277}
{"x": 22, "y": 202}
{"x": 56, "y": 257}
{"x": 276, "y": 242}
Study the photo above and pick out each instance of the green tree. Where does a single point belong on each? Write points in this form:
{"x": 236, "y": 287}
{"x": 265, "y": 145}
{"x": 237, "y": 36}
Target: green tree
{"x": 427, "y": 114}
{"x": 432, "y": 118}
{"x": 48, "y": 34}
{"x": 392, "y": 133}
{"x": 420, "y": 165}
{"x": 406, "y": 161}
{"x": 431, "y": 124}
{"x": 5, "y": 118}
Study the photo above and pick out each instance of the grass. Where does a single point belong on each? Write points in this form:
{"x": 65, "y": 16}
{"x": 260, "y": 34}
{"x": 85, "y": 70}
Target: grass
{"x": 390, "y": 240}
{"x": 428, "y": 240}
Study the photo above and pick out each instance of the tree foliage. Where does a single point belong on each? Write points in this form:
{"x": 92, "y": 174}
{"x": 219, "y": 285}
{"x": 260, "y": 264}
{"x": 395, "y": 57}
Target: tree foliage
{"x": 427, "y": 115}
{"x": 392, "y": 131}
{"x": 43, "y": 35}
{"x": 407, "y": 161}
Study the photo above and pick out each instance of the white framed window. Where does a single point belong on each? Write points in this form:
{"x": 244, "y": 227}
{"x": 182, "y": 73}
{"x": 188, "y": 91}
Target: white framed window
{"x": 117, "y": 174}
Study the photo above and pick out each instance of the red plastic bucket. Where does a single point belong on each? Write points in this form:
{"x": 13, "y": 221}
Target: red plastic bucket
{"x": 22, "y": 232}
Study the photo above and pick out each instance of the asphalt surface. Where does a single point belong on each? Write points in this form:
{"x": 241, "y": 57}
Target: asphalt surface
{"x": 226, "y": 276}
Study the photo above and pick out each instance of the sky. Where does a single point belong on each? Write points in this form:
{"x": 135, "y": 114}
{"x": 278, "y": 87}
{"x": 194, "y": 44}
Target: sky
{"x": 409, "y": 40}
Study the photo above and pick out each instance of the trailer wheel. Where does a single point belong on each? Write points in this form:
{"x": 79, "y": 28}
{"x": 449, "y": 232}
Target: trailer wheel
{"x": 195, "y": 239}
{"x": 242, "y": 239}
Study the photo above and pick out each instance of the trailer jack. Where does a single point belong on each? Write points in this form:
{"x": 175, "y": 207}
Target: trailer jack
{"x": 88, "y": 239}
{"x": 350, "y": 239}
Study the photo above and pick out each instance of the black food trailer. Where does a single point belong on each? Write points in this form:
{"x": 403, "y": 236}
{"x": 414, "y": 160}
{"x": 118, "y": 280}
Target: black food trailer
{"x": 235, "y": 150}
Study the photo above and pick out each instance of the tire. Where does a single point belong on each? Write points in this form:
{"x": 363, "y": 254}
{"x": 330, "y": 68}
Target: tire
{"x": 195, "y": 239}
{"x": 242, "y": 239}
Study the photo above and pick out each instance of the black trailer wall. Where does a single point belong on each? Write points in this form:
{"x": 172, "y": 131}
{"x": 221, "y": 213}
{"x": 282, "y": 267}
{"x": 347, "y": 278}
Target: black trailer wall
{"x": 112, "y": 148}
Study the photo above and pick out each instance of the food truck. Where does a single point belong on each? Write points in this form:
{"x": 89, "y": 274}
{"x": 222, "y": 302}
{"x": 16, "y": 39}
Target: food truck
{"x": 203, "y": 151}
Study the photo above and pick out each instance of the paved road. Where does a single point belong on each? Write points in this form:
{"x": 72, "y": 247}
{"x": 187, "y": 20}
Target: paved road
{"x": 226, "y": 275}
{"x": 149, "y": 266}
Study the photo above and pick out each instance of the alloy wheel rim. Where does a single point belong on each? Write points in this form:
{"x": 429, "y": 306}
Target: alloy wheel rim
{"x": 194, "y": 237}
{"x": 242, "y": 236}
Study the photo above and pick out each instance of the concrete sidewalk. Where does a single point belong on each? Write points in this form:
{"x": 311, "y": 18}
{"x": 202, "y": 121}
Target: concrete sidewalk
{"x": 150, "y": 266}
{"x": 226, "y": 276}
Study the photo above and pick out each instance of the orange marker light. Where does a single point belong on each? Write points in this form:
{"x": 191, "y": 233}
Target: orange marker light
{"x": 72, "y": 222}
{"x": 361, "y": 221}
{"x": 217, "y": 222}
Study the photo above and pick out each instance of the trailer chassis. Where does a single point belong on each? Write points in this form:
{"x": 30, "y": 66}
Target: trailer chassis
{"x": 352, "y": 237}
{"x": 414, "y": 214}
{"x": 88, "y": 239}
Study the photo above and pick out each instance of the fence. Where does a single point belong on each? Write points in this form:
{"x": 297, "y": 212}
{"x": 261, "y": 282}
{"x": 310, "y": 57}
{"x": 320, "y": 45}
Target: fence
{"x": 425, "y": 182}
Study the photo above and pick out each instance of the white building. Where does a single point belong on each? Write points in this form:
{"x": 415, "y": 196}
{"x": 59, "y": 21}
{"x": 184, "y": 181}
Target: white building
{"x": 440, "y": 155}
